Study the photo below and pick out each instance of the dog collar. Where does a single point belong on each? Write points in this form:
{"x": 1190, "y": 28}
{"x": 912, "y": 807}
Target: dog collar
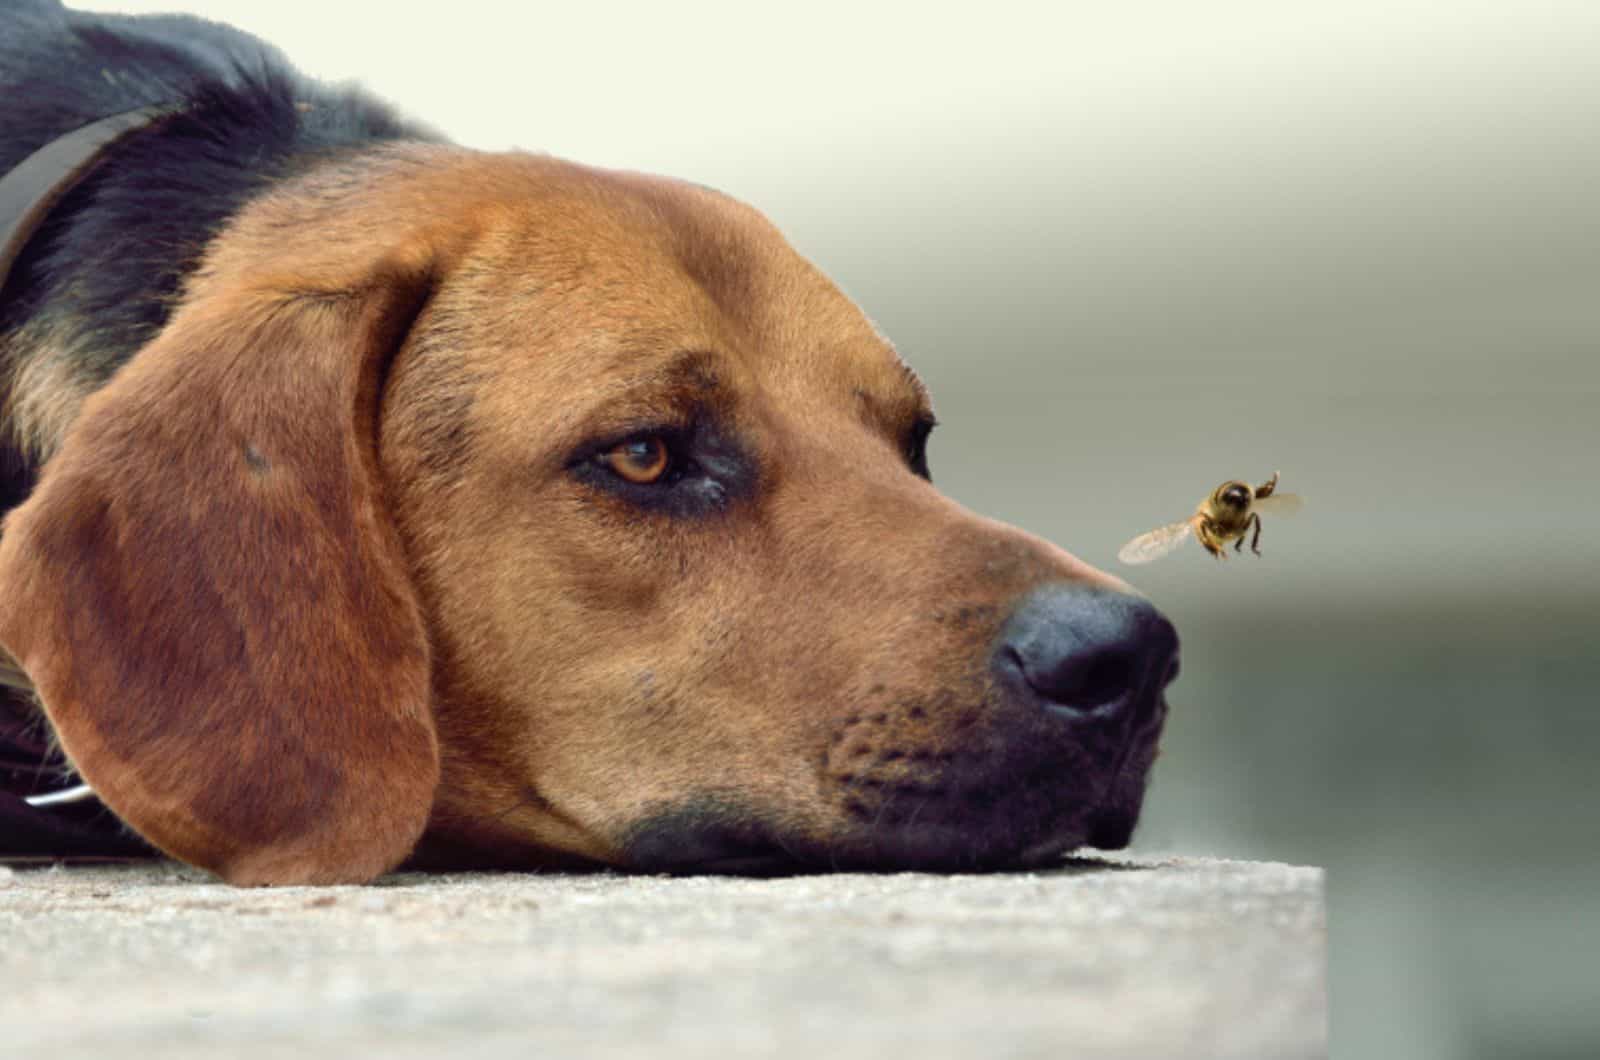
{"x": 12, "y": 679}
{"x": 30, "y": 191}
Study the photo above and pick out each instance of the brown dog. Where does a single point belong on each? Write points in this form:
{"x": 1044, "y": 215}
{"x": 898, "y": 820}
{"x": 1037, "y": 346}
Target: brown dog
{"x": 559, "y": 515}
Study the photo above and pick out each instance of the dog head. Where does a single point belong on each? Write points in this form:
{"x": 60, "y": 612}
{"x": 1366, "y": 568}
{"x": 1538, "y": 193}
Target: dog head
{"x": 567, "y": 515}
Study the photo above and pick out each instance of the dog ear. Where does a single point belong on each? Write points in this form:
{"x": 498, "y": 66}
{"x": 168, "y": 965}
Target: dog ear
{"x": 209, "y": 595}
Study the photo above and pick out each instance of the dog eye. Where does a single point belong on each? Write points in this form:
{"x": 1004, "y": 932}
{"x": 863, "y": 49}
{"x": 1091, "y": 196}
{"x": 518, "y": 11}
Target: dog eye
{"x": 917, "y": 450}
{"x": 640, "y": 461}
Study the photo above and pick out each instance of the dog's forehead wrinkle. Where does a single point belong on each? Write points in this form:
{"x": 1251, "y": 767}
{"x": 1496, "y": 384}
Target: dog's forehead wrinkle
{"x": 894, "y": 409}
{"x": 697, "y": 371}
{"x": 636, "y": 387}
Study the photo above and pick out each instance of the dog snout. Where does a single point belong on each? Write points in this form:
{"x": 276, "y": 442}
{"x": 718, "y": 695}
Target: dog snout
{"x": 1089, "y": 656}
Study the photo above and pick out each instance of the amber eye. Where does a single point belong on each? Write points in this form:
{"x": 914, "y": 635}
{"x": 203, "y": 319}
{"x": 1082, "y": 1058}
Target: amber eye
{"x": 643, "y": 461}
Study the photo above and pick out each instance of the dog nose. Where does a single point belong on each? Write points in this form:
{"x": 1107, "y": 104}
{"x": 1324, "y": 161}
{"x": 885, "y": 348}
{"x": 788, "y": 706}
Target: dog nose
{"x": 1087, "y": 653}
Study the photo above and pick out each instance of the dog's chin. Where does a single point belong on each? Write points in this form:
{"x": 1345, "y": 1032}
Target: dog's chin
{"x": 709, "y": 837}
{"x": 713, "y": 839}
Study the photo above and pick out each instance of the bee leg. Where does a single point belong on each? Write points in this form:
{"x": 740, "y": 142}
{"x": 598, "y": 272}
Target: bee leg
{"x": 1266, "y": 488}
{"x": 1237, "y": 545}
{"x": 1255, "y": 542}
{"x": 1208, "y": 541}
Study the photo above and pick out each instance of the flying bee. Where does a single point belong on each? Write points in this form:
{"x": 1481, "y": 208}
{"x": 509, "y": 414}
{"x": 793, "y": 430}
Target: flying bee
{"x": 1226, "y": 516}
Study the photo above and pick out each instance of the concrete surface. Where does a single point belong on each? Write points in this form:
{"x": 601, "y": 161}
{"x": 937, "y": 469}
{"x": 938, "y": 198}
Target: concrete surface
{"x": 1103, "y": 958}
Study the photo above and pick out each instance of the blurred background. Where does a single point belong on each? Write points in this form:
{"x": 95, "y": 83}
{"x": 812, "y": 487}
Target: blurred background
{"x": 1138, "y": 248}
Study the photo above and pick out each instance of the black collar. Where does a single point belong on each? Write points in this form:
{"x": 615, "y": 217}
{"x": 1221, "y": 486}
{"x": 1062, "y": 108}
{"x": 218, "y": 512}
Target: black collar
{"x": 32, "y": 189}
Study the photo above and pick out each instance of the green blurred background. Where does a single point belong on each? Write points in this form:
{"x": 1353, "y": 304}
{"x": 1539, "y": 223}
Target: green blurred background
{"x": 1135, "y": 249}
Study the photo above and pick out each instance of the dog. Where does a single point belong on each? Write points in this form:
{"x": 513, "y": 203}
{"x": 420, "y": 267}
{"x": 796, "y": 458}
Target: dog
{"x": 373, "y": 499}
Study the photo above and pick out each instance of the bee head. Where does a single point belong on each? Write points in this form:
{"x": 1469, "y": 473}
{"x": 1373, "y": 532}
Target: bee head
{"x": 1235, "y": 495}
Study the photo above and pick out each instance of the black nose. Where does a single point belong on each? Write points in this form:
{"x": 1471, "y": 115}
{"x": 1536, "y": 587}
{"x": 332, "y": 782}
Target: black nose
{"x": 1087, "y": 653}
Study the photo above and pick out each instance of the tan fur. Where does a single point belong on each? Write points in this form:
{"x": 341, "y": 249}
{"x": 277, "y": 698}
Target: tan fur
{"x": 47, "y": 387}
{"x": 246, "y": 555}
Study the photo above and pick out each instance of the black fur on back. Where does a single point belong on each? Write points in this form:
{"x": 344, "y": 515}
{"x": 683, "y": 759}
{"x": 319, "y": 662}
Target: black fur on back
{"x": 116, "y": 249}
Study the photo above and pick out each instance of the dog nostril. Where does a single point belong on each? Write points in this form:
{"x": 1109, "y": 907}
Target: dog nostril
{"x": 1108, "y": 677}
{"x": 1087, "y": 654}
{"x": 1082, "y": 683}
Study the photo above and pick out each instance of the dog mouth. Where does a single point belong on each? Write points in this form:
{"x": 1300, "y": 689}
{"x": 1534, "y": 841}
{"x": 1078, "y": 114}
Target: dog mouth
{"x": 716, "y": 837}
{"x": 996, "y": 797}
{"x": 711, "y": 836}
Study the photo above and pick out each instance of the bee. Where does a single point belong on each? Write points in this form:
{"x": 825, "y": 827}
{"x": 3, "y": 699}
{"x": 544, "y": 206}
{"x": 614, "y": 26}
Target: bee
{"x": 1226, "y": 516}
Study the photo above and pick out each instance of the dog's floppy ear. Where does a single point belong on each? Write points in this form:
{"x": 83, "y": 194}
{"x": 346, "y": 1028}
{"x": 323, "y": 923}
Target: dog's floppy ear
{"x": 206, "y": 588}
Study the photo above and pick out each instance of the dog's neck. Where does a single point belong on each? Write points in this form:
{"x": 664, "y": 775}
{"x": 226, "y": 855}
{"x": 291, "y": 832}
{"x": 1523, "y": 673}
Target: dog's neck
{"x": 31, "y": 190}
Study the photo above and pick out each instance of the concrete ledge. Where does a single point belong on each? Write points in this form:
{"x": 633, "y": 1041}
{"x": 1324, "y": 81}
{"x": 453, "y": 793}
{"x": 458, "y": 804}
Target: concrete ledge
{"x": 1119, "y": 958}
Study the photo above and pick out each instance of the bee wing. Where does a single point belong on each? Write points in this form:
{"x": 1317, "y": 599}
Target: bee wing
{"x": 1156, "y": 543}
{"x": 1279, "y": 504}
